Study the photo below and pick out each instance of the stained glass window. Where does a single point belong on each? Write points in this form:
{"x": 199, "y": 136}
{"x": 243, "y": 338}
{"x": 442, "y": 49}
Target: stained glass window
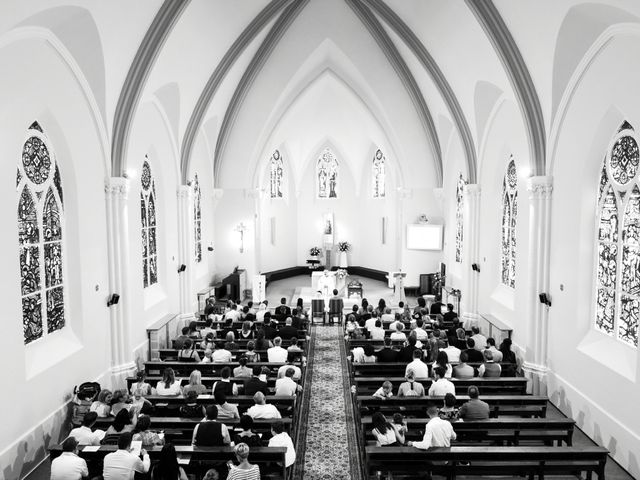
{"x": 40, "y": 236}
{"x": 459, "y": 217}
{"x": 378, "y": 174}
{"x": 276, "y": 171}
{"x": 197, "y": 220}
{"x": 327, "y": 172}
{"x": 509, "y": 216}
{"x": 148, "y": 232}
{"x": 618, "y": 240}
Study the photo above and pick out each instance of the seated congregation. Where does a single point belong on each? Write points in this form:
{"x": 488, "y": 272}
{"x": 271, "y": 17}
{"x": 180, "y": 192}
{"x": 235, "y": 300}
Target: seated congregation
{"x": 431, "y": 397}
{"x": 227, "y": 391}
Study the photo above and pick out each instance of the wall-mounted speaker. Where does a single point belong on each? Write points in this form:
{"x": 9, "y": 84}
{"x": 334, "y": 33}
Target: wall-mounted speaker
{"x": 544, "y": 298}
{"x": 182, "y": 268}
{"x": 475, "y": 267}
{"x": 113, "y": 299}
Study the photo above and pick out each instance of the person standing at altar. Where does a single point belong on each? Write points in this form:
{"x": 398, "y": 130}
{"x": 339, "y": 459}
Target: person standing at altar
{"x": 325, "y": 284}
{"x": 399, "y": 295}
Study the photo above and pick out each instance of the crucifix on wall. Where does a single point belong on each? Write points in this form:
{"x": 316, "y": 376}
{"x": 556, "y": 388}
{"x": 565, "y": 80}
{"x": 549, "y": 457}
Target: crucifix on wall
{"x": 241, "y": 228}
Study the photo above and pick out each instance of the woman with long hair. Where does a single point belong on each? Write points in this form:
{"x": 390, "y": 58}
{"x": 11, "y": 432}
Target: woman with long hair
{"x": 187, "y": 353}
{"x": 244, "y": 470}
{"x": 195, "y": 384}
{"x": 251, "y": 354}
{"x": 261, "y": 342}
{"x": 170, "y": 385}
{"x": 121, "y": 423}
{"x": 442, "y": 360}
{"x": 167, "y": 467}
{"x": 386, "y": 435}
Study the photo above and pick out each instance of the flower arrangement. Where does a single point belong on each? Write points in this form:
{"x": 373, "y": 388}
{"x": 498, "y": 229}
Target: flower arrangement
{"x": 314, "y": 251}
{"x": 423, "y": 219}
{"x": 344, "y": 246}
{"x": 341, "y": 273}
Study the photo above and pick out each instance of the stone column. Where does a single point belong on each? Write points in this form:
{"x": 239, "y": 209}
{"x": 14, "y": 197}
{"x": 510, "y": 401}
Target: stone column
{"x": 404, "y": 194}
{"x": 535, "y": 365}
{"x": 470, "y": 253}
{"x": 187, "y": 297}
{"x": 116, "y": 193}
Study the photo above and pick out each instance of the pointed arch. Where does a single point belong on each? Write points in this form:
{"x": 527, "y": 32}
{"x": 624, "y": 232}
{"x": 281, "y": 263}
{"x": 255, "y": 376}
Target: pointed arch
{"x": 40, "y": 235}
{"x": 148, "y": 230}
{"x": 509, "y": 217}
{"x": 617, "y": 291}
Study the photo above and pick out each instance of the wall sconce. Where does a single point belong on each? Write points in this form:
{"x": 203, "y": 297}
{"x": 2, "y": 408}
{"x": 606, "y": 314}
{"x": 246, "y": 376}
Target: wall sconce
{"x": 241, "y": 228}
{"x": 544, "y": 298}
{"x": 182, "y": 268}
{"x": 475, "y": 267}
{"x": 210, "y": 247}
{"x": 113, "y": 300}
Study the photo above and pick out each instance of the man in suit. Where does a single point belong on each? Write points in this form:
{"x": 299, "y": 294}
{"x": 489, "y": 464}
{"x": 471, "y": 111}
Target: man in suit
{"x": 255, "y": 383}
{"x": 387, "y": 354}
{"x": 405, "y": 355}
{"x": 450, "y": 315}
{"x": 336, "y": 305}
{"x": 283, "y": 309}
{"x": 475, "y": 356}
{"x": 288, "y": 331}
{"x": 269, "y": 330}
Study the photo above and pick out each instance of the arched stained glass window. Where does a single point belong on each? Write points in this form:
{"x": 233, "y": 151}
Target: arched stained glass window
{"x": 618, "y": 275}
{"x": 327, "y": 172}
{"x": 378, "y": 174}
{"x": 148, "y": 215}
{"x": 276, "y": 171}
{"x": 459, "y": 217}
{"x": 509, "y": 215}
{"x": 197, "y": 220}
{"x": 40, "y": 235}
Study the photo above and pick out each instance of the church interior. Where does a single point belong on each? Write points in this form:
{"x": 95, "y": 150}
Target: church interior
{"x": 157, "y": 152}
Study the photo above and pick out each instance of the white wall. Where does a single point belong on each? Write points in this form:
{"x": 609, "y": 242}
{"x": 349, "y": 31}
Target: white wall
{"x": 43, "y": 373}
{"x": 595, "y": 379}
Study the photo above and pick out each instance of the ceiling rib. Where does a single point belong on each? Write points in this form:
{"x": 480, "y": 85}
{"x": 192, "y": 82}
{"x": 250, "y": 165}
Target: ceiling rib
{"x": 136, "y": 79}
{"x": 216, "y": 78}
{"x": 424, "y": 57}
{"x": 494, "y": 27}
{"x": 257, "y": 62}
{"x": 402, "y": 70}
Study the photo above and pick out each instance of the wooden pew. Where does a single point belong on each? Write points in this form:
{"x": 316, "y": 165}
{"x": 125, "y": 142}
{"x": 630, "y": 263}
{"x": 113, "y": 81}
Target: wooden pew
{"x": 393, "y": 369}
{"x": 515, "y": 405}
{"x": 168, "y": 404}
{"x": 511, "y": 430}
{"x": 206, "y": 381}
{"x": 171, "y": 354}
{"x": 178, "y": 429}
{"x": 200, "y": 458}
{"x": 486, "y": 386}
{"x": 511, "y": 461}
{"x": 184, "y": 369}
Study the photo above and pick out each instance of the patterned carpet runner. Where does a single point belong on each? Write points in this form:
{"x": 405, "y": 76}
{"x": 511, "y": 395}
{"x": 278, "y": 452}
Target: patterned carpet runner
{"x": 327, "y": 446}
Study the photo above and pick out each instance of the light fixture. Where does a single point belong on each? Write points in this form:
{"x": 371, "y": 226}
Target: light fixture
{"x": 475, "y": 267}
{"x": 182, "y": 268}
{"x": 545, "y": 299}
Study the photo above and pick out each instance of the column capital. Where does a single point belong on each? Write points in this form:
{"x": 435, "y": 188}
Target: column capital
{"x": 540, "y": 187}
{"x": 117, "y": 186}
{"x": 184, "y": 191}
{"x": 472, "y": 190}
{"x": 404, "y": 193}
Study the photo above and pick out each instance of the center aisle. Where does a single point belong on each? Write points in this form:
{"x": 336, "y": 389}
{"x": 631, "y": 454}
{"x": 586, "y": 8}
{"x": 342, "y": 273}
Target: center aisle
{"x": 327, "y": 438}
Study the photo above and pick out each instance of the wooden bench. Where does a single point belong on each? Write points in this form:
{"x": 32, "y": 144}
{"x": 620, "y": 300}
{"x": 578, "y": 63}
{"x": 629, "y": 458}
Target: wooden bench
{"x": 165, "y": 405}
{"x": 515, "y": 405}
{"x": 178, "y": 429}
{"x": 171, "y": 354}
{"x": 206, "y": 381}
{"x": 397, "y": 369}
{"x": 200, "y": 458}
{"x": 513, "y": 461}
{"x": 510, "y": 430}
{"x": 184, "y": 369}
{"x": 486, "y": 386}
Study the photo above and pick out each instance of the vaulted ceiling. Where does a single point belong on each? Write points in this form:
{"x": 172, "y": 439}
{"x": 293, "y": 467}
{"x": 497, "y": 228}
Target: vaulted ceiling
{"x": 251, "y": 76}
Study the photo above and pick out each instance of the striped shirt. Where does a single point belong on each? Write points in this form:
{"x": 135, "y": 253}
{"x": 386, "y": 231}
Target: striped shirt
{"x": 252, "y": 473}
